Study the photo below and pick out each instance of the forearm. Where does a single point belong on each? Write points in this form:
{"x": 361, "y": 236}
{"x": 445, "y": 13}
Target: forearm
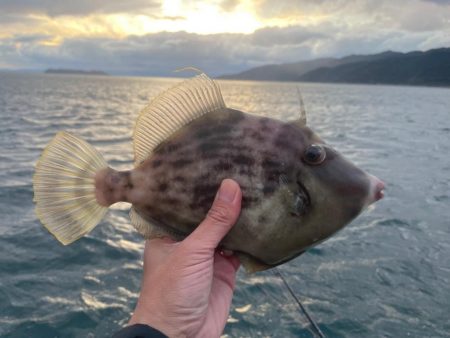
{"x": 139, "y": 331}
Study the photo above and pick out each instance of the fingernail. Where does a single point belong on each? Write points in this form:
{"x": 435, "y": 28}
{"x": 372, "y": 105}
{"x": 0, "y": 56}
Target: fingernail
{"x": 226, "y": 253}
{"x": 227, "y": 191}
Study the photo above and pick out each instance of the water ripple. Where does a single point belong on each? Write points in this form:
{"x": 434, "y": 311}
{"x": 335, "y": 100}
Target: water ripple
{"x": 385, "y": 275}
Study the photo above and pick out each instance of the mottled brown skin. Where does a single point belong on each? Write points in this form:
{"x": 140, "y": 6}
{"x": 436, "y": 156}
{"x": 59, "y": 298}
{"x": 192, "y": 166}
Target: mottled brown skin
{"x": 187, "y": 169}
{"x": 288, "y": 205}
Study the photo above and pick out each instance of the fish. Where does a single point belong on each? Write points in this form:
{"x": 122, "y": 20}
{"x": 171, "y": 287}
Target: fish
{"x": 297, "y": 190}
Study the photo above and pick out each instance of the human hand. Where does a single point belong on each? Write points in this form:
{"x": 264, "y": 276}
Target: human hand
{"x": 187, "y": 286}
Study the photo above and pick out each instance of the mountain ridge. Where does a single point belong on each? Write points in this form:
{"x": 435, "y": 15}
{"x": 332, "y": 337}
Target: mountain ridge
{"x": 74, "y": 71}
{"x": 430, "y": 67}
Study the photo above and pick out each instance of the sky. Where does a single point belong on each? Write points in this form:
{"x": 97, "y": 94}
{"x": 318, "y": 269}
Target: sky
{"x": 155, "y": 37}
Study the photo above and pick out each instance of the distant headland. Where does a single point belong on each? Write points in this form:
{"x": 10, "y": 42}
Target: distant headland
{"x": 74, "y": 71}
{"x": 429, "y": 68}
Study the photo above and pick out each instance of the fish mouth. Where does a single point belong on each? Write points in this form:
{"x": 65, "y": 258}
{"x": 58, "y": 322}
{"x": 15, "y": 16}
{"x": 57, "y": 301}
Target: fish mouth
{"x": 376, "y": 190}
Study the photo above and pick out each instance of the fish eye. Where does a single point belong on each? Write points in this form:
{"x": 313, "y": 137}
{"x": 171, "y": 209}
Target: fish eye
{"x": 315, "y": 154}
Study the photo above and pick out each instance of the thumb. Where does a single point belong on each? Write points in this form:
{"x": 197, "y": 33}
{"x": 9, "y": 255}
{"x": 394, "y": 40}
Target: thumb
{"x": 220, "y": 218}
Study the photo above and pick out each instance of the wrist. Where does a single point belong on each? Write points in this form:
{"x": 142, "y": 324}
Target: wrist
{"x": 139, "y": 330}
{"x": 154, "y": 319}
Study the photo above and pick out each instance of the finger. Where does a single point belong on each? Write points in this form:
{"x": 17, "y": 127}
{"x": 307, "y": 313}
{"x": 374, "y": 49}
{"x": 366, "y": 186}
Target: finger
{"x": 159, "y": 244}
{"x": 220, "y": 218}
{"x": 225, "y": 269}
{"x": 221, "y": 293}
{"x": 231, "y": 257}
{"x": 160, "y": 241}
{"x": 234, "y": 262}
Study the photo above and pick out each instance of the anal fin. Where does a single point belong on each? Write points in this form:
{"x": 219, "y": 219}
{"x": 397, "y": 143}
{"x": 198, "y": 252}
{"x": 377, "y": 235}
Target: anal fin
{"x": 145, "y": 228}
{"x": 252, "y": 264}
{"x": 153, "y": 229}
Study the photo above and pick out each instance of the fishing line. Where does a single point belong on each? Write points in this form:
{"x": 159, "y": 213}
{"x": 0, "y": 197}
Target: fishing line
{"x": 303, "y": 309}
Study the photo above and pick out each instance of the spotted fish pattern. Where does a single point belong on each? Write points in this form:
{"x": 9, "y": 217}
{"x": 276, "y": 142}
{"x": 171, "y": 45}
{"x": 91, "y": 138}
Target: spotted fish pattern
{"x": 187, "y": 169}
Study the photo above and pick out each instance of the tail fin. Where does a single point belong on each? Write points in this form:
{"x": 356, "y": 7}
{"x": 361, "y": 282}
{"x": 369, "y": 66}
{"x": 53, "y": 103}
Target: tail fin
{"x": 64, "y": 187}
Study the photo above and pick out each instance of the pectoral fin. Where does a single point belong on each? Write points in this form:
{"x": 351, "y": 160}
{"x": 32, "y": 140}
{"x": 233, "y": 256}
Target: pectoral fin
{"x": 295, "y": 197}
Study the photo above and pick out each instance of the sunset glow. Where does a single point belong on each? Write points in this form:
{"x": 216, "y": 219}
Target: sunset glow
{"x": 201, "y": 18}
{"x": 139, "y": 36}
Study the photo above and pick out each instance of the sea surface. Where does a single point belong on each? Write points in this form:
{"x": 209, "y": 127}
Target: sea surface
{"x": 387, "y": 274}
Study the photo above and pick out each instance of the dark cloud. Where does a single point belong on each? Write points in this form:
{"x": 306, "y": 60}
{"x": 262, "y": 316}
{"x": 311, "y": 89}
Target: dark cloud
{"x": 31, "y": 38}
{"x": 342, "y": 28}
{"x": 75, "y": 7}
{"x": 292, "y": 35}
{"x": 6, "y": 19}
{"x": 439, "y": 2}
{"x": 161, "y": 53}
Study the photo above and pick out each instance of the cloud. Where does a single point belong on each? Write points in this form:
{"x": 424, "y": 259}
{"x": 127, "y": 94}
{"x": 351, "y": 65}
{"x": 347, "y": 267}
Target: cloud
{"x": 75, "y": 8}
{"x": 291, "y": 8}
{"x": 320, "y": 28}
{"x": 348, "y": 16}
{"x": 9, "y": 18}
{"x": 229, "y": 5}
{"x": 161, "y": 53}
{"x": 291, "y": 35}
{"x": 440, "y": 2}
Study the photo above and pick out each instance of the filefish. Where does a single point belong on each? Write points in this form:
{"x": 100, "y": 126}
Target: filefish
{"x": 297, "y": 190}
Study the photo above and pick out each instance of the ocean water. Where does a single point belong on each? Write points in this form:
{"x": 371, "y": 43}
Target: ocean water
{"x": 387, "y": 274}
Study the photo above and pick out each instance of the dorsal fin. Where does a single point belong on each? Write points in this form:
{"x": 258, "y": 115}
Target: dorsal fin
{"x": 301, "y": 121}
{"x": 172, "y": 110}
